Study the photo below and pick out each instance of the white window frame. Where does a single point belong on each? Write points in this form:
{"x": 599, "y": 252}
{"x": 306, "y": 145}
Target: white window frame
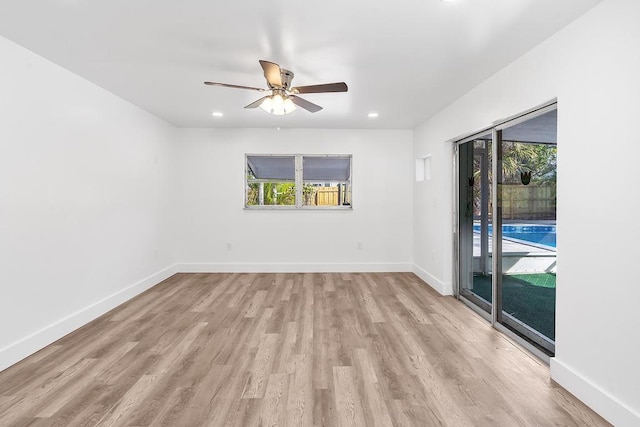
{"x": 299, "y": 183}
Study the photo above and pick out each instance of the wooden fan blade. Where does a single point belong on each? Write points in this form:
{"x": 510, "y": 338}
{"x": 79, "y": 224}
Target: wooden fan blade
{"x": 234, "y": 86}
{"x": 303, "y": 103}
{"x": 272, "y": 73}
{"x": 257, "y": 103}
{"x": 328, "y": 87}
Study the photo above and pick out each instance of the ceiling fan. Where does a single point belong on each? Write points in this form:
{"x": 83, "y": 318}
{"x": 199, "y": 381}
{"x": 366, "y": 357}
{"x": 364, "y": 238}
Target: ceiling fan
{"x": 283, "y": 98}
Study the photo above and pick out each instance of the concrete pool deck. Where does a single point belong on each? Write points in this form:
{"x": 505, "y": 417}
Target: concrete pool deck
{"x": 511, "y": 247}
{"x": 518, "y": 257}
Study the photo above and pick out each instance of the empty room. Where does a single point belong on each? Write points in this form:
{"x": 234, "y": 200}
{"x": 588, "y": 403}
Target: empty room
{"x": 337, "y": 213}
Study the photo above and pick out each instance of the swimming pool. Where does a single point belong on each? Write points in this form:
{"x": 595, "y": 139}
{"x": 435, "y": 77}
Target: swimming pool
{"x": 533, "y": 233}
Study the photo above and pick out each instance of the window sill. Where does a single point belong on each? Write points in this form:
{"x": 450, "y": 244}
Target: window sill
{"x": 296, "y": 208}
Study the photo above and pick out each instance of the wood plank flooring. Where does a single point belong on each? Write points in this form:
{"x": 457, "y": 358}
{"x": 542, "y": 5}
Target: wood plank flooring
{"x": 287, "y": 349}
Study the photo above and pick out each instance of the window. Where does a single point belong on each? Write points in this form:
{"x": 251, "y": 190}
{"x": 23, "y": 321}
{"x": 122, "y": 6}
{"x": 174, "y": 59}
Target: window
{"x": 326, "y": 180}
{"x": 298, "y": 181}
{"x": 271, "y": 181}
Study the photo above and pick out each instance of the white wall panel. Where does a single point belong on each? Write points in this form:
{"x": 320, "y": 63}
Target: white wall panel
{"x": 211, "y": 167}
{"x": 86, "y": 219}
{"x": 592, "y": 68}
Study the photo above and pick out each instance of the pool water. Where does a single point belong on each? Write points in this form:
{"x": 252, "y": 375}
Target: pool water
{"x": 533, "y": 233}
{"x": 547, "y": 239}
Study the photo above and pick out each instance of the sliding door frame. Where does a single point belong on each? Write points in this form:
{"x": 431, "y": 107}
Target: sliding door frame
{"x": 479, "y": 305}
{"x": 499, "y": 320}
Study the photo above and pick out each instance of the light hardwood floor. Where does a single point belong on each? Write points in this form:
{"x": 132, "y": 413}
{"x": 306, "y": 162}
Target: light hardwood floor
{"x": 287, "y": 349}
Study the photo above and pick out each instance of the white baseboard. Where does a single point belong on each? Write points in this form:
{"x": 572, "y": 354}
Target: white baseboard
{"x": 293, "y": 267}
{"x": 442, "y": 287}
{"x": 28, "y": 345}
{"x": 610, "y": 408}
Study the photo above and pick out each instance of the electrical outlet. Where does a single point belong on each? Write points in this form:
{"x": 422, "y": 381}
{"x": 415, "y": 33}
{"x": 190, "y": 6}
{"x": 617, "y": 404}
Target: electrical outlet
{"x": 229, "y": 246}
{"x": 359, "y": 246}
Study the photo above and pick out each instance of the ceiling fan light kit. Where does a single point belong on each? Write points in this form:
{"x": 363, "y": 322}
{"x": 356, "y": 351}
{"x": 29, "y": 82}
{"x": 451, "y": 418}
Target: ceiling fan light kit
{"x": 278, "y": 104}
{"x": 283, "y": 99}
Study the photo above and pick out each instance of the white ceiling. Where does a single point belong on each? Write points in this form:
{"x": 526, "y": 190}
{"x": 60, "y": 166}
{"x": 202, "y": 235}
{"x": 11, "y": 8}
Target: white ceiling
{"x": 405, "y": 59}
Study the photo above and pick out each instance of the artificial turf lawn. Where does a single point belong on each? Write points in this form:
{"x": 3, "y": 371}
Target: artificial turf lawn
{"x": 530, "y": 298}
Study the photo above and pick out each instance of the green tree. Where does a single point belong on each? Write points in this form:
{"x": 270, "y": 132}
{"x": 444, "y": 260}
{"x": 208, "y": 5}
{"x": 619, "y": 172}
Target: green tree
{"x": 281, "y": 193}
{"x": 539, "y": 159}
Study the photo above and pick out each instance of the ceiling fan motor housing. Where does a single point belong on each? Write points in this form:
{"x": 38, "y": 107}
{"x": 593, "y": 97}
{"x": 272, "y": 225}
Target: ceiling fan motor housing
{"x": 286, "y": 76}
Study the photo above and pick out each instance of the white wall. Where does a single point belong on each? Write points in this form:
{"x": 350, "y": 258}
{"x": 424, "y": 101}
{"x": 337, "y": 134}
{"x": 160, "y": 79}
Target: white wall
{"x": 592, "y": 67}
{"x": 90, "y": 206}
{"x": 85, "y": 213}
{"x": 211, "y": 168}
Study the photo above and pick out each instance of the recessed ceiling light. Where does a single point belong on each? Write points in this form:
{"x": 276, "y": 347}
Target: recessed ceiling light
{"x": 217, "y": 114}
{"x": 373, "y": 115}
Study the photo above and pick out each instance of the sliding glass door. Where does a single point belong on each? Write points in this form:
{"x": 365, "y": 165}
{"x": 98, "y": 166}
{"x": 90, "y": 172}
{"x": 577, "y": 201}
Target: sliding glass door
{"x": 507, "y": 223}
{"x": 528, "y": 223}
{"x": 475, "y": 218}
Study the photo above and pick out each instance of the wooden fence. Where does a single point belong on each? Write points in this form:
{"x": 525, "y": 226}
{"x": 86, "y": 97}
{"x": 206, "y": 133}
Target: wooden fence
{"x": 326, "y": 196}
{"x": 528, "y": 202}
